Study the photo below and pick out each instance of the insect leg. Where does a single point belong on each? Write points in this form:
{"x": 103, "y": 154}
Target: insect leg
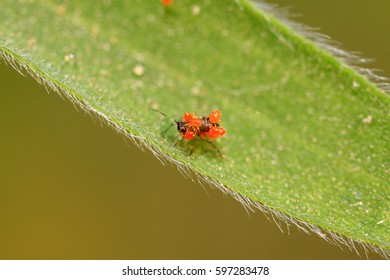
{"x": 193, "y": 146}
{"x": 181, "y": 139}
{"x": 166, "y": 130}
{"x": 215, "y": 147}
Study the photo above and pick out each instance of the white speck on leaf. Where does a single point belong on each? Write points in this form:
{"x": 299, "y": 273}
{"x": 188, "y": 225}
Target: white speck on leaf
{"x": 69, "y": 57}
{"x": 195, "y": 10}
{"x": 138, "y": 70}
{"x": 368, "y": 119}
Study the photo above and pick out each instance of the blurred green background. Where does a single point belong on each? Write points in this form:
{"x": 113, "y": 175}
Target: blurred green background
{"x": 72, "y": 188}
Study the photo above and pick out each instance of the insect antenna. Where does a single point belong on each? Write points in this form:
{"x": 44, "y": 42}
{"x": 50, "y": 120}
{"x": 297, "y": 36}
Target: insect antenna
{"x": 158, "y": 111}
{"x": 165, "y": 115}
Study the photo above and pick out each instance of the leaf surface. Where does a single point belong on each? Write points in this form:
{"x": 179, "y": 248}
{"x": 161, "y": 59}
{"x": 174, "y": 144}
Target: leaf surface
{"x": 307, "y": 136}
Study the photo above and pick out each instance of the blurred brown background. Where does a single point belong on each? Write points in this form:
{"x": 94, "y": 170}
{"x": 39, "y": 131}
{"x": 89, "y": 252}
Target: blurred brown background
{"x": 72, "y": 188}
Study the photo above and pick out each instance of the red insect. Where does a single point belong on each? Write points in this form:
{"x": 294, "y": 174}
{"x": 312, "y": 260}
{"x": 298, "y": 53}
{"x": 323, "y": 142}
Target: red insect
{"x": 192, "y": 126}
{"x": 204, "y": 127}
{"x": 166, "y": 2}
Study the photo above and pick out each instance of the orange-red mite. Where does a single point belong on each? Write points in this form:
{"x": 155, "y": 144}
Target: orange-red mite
{"x": 202, "y": 127}
{"x": 166, "y": 2}
{"x": 192, "y": 126}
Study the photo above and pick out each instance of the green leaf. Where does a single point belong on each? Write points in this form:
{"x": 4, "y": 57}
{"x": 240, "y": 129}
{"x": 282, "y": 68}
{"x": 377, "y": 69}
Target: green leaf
{"x": 307, "y": 136}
